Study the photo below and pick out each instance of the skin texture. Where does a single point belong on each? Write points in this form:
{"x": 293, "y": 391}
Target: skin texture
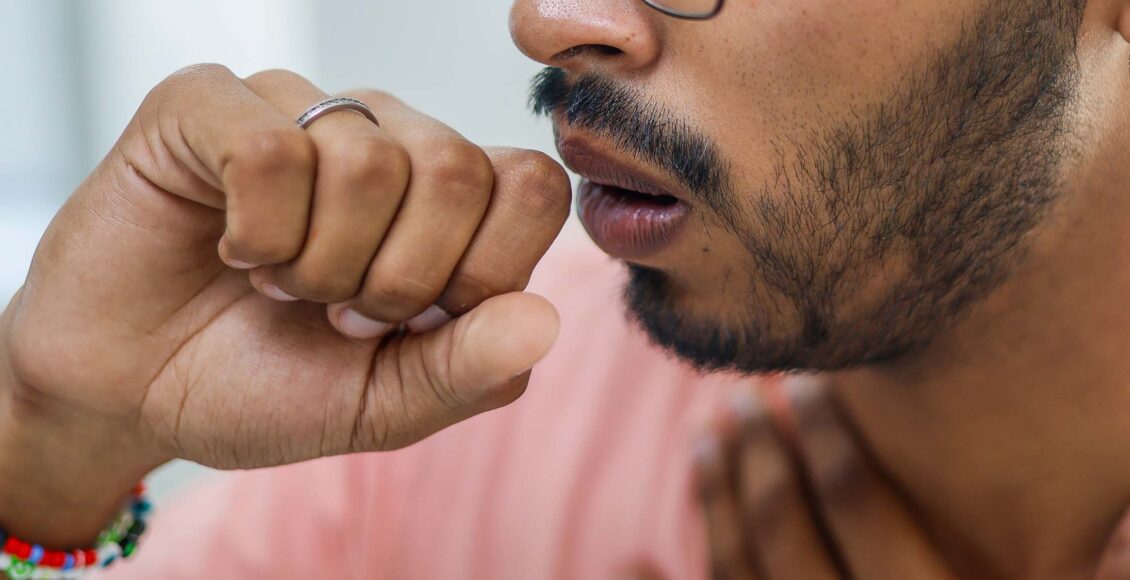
{"x": 865, "y": 236}
{"x": 140, "y": 336}
{"x": 978, "y": 361}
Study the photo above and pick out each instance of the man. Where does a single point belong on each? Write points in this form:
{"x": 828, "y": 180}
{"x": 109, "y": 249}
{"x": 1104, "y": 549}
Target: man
{"x": 919, "y": 202}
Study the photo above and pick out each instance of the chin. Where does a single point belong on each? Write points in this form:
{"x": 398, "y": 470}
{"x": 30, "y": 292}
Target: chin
{"x": 762, "y": 340}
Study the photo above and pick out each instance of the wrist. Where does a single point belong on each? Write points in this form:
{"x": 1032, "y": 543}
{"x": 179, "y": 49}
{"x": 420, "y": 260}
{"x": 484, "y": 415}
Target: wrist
{"x": 63, "y": 474}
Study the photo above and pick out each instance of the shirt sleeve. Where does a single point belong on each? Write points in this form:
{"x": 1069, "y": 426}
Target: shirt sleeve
{"x": 286, "y": 522}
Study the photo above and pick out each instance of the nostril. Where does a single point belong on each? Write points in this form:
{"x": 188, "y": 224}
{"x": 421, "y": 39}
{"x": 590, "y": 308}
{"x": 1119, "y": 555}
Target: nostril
{"x": 592, "y": 49}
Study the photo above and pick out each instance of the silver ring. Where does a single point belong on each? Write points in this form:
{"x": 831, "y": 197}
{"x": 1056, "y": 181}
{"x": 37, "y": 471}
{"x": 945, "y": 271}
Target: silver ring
{"x": 336, "y": 104}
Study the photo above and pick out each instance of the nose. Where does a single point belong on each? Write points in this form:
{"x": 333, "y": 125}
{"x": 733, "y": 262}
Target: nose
{"x": 614, "y": 36}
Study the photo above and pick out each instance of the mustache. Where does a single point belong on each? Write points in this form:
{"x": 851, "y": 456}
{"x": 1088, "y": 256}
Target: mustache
{"x": 636, "y": 125}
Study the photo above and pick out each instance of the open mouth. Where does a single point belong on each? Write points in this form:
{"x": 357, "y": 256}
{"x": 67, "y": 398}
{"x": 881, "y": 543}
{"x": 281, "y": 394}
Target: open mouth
{"x": 627, "y": 209}
{"x": 629, "y": 224}
{"x": 628, "y": 196}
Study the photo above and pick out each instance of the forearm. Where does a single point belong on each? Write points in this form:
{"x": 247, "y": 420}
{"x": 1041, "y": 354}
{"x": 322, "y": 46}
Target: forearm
{"x": 62, "y": 477}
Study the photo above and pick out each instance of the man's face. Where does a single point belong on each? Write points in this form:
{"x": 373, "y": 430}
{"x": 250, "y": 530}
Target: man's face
{"x": 840, "y": 180}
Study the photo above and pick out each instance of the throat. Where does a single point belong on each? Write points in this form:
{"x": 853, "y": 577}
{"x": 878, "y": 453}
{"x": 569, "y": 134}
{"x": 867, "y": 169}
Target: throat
{"x": 1018, "y": 476}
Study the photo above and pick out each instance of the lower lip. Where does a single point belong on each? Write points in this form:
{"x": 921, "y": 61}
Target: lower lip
{"x": 626, "y": 225}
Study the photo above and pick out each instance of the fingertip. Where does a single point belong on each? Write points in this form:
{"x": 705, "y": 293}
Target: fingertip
{"x": 544, "y": 316}
{"x": 353, "y": 324}
{"x": 225, "y": 252}
{"x": 264, "y": 282}
{"x": 241, "y": 265}
{"x": 431, "y": 319}
{"x": 707, "y": 458}
{"x": 277, "y": 294}
{"x": 504, "y": 337}
{"x": 642, "y": 569}
{"x": 522, "y": 324}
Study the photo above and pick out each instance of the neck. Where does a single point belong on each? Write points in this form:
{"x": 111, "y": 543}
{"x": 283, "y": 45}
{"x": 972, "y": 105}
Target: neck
{"x": 1010, "y": 433}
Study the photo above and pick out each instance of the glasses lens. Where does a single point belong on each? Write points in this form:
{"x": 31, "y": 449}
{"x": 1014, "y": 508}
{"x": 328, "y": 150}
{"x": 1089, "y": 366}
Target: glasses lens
{"x": 687, "y": 8}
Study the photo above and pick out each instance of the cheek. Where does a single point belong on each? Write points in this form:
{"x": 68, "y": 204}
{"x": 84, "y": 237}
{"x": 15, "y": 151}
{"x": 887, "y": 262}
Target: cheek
{"x": 831, "y": 43}
{"x": 768, "y": 71}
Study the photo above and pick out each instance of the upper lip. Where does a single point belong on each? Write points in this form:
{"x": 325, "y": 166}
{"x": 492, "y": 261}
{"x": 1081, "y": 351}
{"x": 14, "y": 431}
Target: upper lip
{"x": 595, "y": 162}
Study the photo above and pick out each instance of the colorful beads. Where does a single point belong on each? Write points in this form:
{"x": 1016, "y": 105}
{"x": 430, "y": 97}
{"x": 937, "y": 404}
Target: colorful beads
{"x": 108, "y": 553}
{"x": 20, "y": 570}
{"x": 20, "y": 560}
{"x": 42, "y": 573}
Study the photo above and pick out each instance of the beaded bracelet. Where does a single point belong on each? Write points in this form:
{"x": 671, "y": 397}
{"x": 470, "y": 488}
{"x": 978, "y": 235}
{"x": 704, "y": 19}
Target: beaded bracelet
{"x": 21, "y": 560}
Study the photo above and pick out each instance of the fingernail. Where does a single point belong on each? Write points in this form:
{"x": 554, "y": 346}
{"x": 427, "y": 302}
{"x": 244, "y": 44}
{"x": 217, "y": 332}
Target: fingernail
{"x": 706, "y": 452}
{"x": 430, "y": 319}
{"x": 745, "y": 406}
{"x": 359, "y": 326}
{"x": 275, "y": 293}
{"x": 241, "y": 265}
{"x": 516, "y": 376}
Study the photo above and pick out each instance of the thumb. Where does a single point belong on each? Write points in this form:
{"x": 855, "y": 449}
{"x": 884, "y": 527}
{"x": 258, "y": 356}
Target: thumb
{"x": 478, "y": 355}
{"x": 478, "y": 362}
{"x": 643, "y": 569}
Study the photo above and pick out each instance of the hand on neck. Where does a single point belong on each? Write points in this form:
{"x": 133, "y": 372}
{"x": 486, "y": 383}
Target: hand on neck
{"x": 1010, "y": 432}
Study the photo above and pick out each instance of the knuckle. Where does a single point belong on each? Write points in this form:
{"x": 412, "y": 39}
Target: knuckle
{"x": 371, "y": 96}
{"x": 274, "y": 76}
{"x": 268, "y": 151}
{"x": 187, "y": 81}
{"x": 28, "y": 363}
{"x": 543, "y": 185}
{"x": 398, "y": 297}
{"x": 194, "y": 74}
{"x": 459, "y": 165}
{"x": 374, "y": 160}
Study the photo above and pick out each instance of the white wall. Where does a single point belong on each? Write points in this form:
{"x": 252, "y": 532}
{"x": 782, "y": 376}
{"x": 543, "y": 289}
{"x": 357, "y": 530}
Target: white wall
{"x": 38, "y": 119}
{"x": 76, "y": 71}
{"x": 129, "y": 46}
{"x": 452, "y": 59}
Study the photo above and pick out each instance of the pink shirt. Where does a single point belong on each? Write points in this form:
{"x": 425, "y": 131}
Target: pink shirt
{"x": 585, "y": 474}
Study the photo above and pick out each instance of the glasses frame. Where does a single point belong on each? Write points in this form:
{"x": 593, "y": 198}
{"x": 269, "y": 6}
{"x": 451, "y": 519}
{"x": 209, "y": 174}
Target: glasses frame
{"x": 657, "y": 5}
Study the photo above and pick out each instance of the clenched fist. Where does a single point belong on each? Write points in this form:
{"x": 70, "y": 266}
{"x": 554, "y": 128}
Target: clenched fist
{"x": 231, "y": 289}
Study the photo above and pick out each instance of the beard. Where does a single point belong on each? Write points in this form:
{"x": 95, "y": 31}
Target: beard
{"x": 935, "y": 191}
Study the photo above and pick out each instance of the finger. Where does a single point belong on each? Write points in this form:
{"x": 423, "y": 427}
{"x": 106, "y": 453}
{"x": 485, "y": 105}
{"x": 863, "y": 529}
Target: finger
{"x": 643, "y": 569}
{"x": 731, "y": 556}
{"x": 1115, "y": 562}
{"x": 362, "y": 175}
{"x": 878, "y": 533}
{"x": 451, "y": 185}
{"x": 425, "y": 382}
{"x": 777, "y": 511}
{"x": 246, "y": 148}
{"x": 528, "y": 208}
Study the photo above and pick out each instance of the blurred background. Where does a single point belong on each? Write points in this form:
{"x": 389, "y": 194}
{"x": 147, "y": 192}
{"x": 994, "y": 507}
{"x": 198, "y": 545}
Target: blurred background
{"x": 75, "y": 71}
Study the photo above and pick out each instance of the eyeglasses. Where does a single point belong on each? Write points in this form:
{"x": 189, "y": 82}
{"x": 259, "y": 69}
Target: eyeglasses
{"x": 688, "y": 9}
